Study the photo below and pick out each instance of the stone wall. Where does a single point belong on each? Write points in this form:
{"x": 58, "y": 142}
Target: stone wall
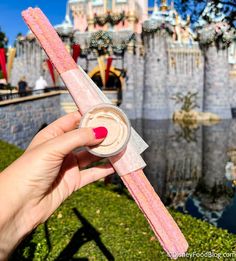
{"x": 157, "y": 68}
{"x": 170, "y": 69}
{"x": 29, "y": 63}
{"x": 216, "y": 82}
{"x": 133, "y": 87}
{"x": 67, "y": 104}
{"x": 232, "y": 89}
{"x": 155, "y": 101}
{"x": 128, "y": 97}
{"x": 20, "y": 121}
{"x": 139, "y": 87}
{"x": 185, "y": 73}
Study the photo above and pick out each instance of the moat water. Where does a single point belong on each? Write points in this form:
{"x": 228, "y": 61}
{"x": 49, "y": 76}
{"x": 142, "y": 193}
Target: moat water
{"x": 187, "y": 167}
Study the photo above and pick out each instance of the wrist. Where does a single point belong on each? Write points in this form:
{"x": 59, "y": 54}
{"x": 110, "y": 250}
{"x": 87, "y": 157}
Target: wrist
{"x": 14, "y": 225}
{"x": 13, "y": 229}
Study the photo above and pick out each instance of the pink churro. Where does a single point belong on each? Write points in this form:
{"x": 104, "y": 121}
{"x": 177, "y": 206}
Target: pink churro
{"x": 85, "y": 96}
{"x": 163, "y": 225}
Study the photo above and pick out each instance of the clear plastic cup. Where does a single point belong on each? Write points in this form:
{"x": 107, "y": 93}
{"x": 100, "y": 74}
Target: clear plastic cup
{"x": 117, "y": 124}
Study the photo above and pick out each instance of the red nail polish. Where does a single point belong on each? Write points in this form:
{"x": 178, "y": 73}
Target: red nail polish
{"x": 100, "y": 132}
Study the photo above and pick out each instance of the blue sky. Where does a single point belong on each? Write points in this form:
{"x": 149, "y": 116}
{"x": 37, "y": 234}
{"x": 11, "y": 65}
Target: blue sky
{"x": 11, "y": 22}
{"x": 10, "y": 18}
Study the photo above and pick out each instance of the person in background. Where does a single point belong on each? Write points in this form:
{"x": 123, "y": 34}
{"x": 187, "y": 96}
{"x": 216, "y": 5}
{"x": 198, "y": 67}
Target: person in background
{"x": 40, "y": 84}
{"x": 3, "y": 83}
{"x": 22, "y": 87}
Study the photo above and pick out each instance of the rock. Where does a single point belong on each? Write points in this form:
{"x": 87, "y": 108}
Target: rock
{"x": 194, "y": 116}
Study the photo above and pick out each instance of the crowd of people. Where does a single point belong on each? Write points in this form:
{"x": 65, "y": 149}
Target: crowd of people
{"x": 22, "y": 85}
{"x": 23, "y": 88}
{"x": 38, "y": 88}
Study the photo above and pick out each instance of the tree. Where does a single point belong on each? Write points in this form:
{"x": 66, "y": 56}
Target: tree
{"x": 195, "y": 8}
{"x": 3, "y": 40}
{"x": 188, "y": 101}
{"x": 3, "y": 44}
{"x": 18, "y": 36}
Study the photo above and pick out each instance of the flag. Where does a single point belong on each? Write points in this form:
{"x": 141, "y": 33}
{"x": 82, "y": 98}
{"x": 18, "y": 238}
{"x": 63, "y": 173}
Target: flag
{"x": 3, "y": 63}
{"x": 51, "y": 71}
{"x": 102, "y": 69}
{"x": 109, "y": 62}
{"x": 76, "y": 52}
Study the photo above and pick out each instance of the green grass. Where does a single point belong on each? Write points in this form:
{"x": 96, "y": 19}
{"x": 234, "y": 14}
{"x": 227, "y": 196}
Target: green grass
{"x": 8, "y": 153}
{"x": 101, "y": 221}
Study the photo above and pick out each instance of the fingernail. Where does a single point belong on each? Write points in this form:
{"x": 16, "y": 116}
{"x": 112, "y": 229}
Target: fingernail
{"x": 100, "y": 132}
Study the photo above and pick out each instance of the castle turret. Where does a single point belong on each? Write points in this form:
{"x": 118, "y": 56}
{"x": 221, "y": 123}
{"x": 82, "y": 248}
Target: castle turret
{"x": 216, "y": 82}
{"x": 156, "y": 133}
{"x": 164, "y": 6}
{"x": 212, "y": 193}
{"x": 215, "y": 37}
{"x": 66, "y": 27}
{"x": 157, "y": 30}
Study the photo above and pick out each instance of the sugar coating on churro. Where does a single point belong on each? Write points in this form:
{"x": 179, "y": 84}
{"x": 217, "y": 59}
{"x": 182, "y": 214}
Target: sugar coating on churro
{"x": 162, "y": 223}
{"x": 49, "y": 39}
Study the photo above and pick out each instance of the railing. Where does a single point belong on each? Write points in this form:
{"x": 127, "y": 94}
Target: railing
{"x": 16, "y": 95}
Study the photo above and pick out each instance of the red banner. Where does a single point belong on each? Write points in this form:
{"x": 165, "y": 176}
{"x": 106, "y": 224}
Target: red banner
{"x": 76, "y": 52}
{"x": 3, "y": 63}
{"x": 51, "y": 70}
{"x": 109, "y": 62}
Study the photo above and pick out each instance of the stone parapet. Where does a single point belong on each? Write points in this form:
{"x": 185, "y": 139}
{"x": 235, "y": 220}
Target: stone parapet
{"x": 20, "y": 121}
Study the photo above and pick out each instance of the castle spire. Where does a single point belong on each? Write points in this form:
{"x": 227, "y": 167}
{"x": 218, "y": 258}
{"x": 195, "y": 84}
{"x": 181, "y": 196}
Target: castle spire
{"x": 164, "y": 5}
{"x": 66, "y": 27}
{"x": 67, "y": 17}
{"x": 155, "y": 9}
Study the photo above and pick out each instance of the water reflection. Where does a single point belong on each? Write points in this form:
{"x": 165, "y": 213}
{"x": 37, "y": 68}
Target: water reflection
{"x": 186, "y": 166}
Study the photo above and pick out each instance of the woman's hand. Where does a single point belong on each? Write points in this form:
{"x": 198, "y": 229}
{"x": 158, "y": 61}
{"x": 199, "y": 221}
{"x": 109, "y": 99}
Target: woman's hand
{"x": 35, "y": 185}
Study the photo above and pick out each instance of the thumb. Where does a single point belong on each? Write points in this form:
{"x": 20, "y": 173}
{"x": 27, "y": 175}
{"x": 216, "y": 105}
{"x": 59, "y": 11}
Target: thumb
{"x": 64, "y": 144}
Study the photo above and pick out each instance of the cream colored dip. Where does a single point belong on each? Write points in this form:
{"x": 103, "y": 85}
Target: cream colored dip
{"x": 117, "y": 125}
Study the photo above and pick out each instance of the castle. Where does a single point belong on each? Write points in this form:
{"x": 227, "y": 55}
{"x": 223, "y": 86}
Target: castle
{"x": 153, "y": 55}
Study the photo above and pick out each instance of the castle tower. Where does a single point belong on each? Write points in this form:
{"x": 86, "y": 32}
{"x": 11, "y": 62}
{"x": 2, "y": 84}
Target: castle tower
{"x": 155, "y": 105}
{"x": 213, "y": 192}
{"x": 65, "y": 29}
{"x": 163, "y": 6}
{"x": 216, "y": 82}
{"x": 215, "y": 45}
{"x": 184, "y": 162}
{"x": 92, "y": 15}
{"x": 156, "y": 133}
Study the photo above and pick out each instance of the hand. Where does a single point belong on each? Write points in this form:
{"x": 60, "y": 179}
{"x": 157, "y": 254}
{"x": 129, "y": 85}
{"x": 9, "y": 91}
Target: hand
{"x": 35, "y": 185}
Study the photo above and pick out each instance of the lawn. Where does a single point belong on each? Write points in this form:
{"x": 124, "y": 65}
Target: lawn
{"x": 103, "y": 223}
